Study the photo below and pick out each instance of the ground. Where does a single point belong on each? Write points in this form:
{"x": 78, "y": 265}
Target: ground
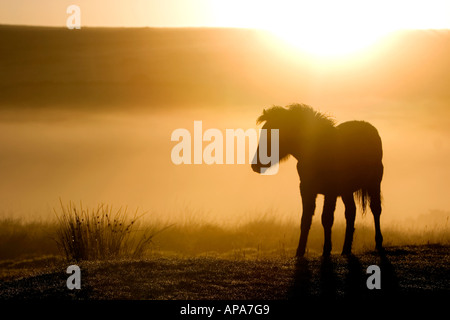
{"x": 406, "y": 271}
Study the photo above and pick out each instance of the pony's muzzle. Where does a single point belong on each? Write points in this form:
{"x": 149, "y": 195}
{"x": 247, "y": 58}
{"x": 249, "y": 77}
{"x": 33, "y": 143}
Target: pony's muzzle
{"x": 260, "y": 168}
{"x": 256, "y": 167}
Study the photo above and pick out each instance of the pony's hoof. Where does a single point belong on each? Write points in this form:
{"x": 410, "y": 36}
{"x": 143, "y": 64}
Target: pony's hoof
{"x": 300, "y": 253}
{"x": 326, "y": 253}
{"x": 346, "y": 252}
{"x": 326, "y": 250}
{"x": 380, "y": 249}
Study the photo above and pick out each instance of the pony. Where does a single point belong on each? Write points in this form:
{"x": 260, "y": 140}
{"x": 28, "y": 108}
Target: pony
{"x": 342, "y": 160}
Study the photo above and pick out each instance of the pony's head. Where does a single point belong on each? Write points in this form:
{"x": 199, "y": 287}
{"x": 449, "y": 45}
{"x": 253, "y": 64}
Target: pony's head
{"x": 294, "y": 123}
{"x": 271, "y": 148}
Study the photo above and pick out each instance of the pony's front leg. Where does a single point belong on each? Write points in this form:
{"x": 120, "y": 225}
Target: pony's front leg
{"x": 327, "y": 222}
{"x": 350, "y": 214}
{"x": 309, "y": 205}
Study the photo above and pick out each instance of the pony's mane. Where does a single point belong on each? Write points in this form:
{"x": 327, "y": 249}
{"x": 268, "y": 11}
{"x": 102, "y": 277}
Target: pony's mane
{"x": 295, "y": 112}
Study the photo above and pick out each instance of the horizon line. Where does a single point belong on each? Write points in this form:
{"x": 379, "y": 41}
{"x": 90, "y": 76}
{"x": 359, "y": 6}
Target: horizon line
{"x": 187, "y": 27}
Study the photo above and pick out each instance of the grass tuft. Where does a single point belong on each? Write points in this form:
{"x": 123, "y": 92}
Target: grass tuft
{"x": 101, "y": 233}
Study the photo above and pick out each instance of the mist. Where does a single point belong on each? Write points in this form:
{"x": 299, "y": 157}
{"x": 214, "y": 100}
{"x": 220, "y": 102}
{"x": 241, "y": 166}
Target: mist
{"x": 85, "y": 118}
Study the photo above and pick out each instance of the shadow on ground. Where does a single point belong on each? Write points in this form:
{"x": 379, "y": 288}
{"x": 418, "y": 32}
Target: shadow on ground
{"x": 341, "y": 277}
{"x": 409, "y": 271}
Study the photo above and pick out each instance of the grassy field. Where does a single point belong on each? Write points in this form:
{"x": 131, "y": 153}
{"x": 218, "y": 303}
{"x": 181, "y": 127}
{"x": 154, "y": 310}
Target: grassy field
{"x": 266, "y": 237}
{"x": 205, "y": 261}
{"x": 406, "y": 271}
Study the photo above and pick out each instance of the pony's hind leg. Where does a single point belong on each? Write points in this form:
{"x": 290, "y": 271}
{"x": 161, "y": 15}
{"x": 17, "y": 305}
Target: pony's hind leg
{"x": 327, "y": 222}
{"x": 350, "y": 213}
{"x": 375, "y": 207}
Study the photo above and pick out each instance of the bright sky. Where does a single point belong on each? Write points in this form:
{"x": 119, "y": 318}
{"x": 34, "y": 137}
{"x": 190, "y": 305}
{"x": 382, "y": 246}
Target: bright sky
{"x": 319, "y": 25}
{"x": 232, "y": 13}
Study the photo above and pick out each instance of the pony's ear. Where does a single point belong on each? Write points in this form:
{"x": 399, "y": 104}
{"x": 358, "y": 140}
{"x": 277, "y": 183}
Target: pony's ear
{"x": 262, "y": 117}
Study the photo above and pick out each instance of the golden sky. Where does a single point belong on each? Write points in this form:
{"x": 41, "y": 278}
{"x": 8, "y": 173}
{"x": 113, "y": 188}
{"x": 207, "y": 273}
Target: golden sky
{"x": 405, "y": 96}
{"x": 322, "y": 27}
{"x": 382, "y": 14}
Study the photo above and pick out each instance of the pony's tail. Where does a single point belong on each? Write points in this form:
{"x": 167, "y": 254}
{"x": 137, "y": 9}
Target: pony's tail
{"x": 363, "y": 197}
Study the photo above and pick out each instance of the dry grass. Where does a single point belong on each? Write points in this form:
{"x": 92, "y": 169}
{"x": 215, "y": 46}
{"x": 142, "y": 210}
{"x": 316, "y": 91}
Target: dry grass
{"x": 101, "y": 233}
{"x": 104, "y": 233}
{"x": 19, "y": 238}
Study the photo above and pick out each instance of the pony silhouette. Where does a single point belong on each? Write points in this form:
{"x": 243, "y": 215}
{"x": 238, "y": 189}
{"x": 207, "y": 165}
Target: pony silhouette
{"x": 336, "y": 161}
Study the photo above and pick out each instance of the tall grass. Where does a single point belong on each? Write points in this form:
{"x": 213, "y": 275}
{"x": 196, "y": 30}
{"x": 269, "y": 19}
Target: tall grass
{"x": 26, "y": 239}
{"x": 104, "y": 233}
{"x": 100, "y": 233}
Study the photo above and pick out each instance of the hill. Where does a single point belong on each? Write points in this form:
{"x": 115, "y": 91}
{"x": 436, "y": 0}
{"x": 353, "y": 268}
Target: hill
{"x": 164, "y": 67}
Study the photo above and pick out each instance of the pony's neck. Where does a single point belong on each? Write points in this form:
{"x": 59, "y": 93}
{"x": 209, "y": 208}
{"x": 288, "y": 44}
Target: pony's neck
{"x": 295, "y": 148}
{"x": 305, "y": 144}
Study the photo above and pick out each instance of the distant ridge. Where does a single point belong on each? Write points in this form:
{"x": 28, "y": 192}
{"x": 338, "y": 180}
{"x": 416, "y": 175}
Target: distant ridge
{"x": 47, "y": 66}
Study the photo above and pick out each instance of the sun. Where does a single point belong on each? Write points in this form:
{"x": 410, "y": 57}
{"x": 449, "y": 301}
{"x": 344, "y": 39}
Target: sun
{"x": 329, "y": 28}
{"x": 324, "y": 42}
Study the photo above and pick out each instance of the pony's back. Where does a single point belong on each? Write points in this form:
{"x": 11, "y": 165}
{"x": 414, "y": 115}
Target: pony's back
{"x": 360, "y": 141}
